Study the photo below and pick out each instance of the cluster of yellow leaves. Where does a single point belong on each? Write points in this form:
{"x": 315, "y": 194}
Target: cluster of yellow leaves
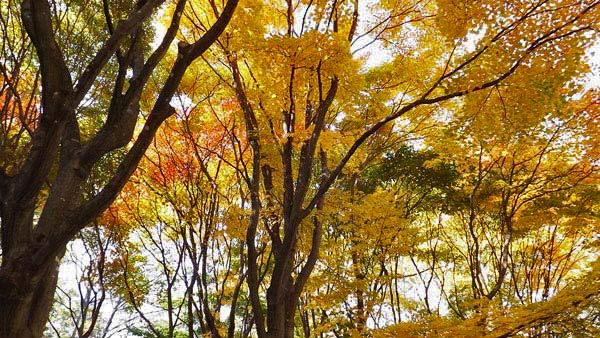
{"x": 125, "y": 276}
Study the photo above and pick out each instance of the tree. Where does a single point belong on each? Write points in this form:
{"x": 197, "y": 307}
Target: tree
{"x": 87, "y": 308}
{"x": 41, "y": 186}
{"x": 175, "y": 210}
{"x": 307, "y": 114}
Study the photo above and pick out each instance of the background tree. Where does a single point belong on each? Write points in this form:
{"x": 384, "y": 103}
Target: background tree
{"x": 87, "y": 308}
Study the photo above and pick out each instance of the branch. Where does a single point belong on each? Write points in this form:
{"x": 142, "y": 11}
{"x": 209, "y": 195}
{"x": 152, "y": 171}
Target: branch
{"x": 123, "y": 111}
{"x": 81, "y": 216}
{"x": 124, "y": 28}
{"x": 424, "y": 100}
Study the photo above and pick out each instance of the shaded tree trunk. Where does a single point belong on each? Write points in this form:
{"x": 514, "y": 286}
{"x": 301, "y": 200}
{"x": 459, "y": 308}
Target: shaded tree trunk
{"x": 26, "y": 299}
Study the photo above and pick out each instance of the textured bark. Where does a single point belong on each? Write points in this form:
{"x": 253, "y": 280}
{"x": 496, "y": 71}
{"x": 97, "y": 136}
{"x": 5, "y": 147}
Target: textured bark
{"x": 26, "y": 300}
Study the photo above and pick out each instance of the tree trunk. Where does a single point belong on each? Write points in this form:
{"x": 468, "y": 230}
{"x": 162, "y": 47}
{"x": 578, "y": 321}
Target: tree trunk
{"x": 26, "y": 296}
{"x": 281, "y": 306}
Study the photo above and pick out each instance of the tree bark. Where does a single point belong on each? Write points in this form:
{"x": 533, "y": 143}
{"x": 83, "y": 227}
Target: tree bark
{"x": 26, "y": 297}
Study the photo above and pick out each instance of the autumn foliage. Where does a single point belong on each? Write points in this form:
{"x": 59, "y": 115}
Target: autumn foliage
{"x": 281, "y": 169}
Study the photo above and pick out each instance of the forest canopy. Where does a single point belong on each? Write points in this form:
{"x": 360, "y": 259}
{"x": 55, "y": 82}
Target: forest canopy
{"x": 299, "y": 168}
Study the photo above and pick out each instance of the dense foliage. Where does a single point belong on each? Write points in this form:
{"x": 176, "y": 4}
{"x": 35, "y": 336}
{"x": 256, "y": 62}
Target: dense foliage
{"x": 400, "y": 168}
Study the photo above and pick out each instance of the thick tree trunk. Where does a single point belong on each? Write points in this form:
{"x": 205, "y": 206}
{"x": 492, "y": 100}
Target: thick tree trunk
{"x": 26, "y": 298}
